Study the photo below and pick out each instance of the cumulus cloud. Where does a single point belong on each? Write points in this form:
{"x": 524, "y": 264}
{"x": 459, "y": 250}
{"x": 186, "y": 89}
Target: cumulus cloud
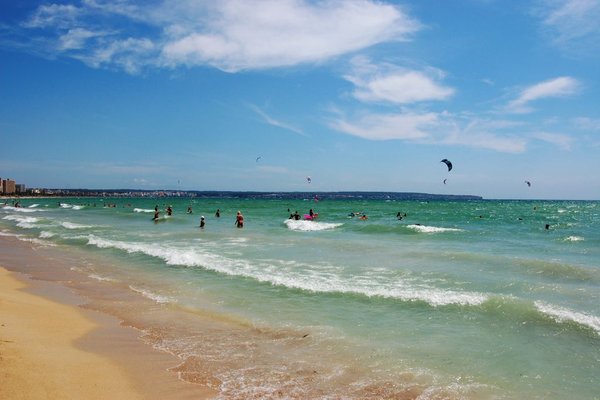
{"x": 389, "y": 83}
{"x": 273, "y": 33}
{"x": 231, "y": 35}
{"x": 558, "y": 87}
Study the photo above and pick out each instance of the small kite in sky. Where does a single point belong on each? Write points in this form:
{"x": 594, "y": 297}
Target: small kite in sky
{"x": 445, "y": 181}
{"x": 528, "y": 183}
{"x": 448, "y": 163}
{"x": 258, "y": 158}
{"x": 308, "y": 179}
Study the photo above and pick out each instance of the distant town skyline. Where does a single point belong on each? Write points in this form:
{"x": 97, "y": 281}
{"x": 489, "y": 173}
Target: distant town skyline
{"x": 358, "y": 95}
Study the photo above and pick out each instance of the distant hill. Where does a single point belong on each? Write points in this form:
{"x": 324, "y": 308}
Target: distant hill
{"x": 258, "y": 195}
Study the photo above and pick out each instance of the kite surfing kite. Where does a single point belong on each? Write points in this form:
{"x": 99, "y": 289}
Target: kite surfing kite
{"x": 308, "y": 179}
{"x": 528, "y": 183}
{"x": 448, "y": 164}
{"x": 258, "y": 158}
{"x": 445, "y": 181}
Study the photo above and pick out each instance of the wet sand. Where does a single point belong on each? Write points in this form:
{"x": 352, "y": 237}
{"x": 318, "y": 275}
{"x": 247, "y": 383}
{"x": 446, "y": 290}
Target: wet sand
{"x": 51, "y": 347}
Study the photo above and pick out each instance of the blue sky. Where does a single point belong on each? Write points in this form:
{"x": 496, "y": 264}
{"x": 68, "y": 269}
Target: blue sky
{"x": 358, "y": 95}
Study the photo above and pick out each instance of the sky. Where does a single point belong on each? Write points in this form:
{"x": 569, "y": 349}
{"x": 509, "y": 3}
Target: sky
{"x": 358, "y": 95}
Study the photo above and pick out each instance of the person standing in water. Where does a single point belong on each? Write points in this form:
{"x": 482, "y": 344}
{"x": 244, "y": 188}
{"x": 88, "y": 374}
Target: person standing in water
{"x": 218, "y": 213}
{"x": 202, "y": 223}
{"x": 239, "y": 220}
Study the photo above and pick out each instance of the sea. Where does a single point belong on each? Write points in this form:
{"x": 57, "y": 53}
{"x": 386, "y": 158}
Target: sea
{"x": 380, "y": 298}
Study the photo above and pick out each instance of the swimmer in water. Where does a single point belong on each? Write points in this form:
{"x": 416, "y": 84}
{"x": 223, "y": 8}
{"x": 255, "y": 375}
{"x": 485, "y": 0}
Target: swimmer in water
{"x": 239, "y": 220}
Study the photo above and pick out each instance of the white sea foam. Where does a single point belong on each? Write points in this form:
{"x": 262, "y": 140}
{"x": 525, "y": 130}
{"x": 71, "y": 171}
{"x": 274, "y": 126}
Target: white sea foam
{"x": 46, "y": 235}
{"x": 71, "y": 225}
{"x": 432, "y": 229}
{"x": 21, "y": 209}
{"x": 305, "y": 278}
{"x": 33, "y": 206}
{"x": 561, "y": 315}
{"x": 143, "y": 210}
{"x": 71, "y": 206}
{"x": 573, "y": 239}
{"x": 22, "y": 221}
{"x": 308, "y": 226}
{"x": 152, "y": 296}
{"x": 9, "y": 234}
{"x": 26, "y": 239}
{"x": 102, "y": 278}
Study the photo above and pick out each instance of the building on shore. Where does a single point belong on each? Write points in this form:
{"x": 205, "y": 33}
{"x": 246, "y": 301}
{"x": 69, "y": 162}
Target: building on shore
{"x": 8, "y": 186}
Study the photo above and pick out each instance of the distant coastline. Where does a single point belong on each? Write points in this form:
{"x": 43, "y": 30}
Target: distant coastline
{"x": 342, "y": 195}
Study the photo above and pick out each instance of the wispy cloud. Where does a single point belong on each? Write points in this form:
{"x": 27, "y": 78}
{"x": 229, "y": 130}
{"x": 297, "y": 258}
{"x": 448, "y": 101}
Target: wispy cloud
{"x": 571, "y": 23}
{"x": 560, "y": 140}
{"x": 393, "y": 84}
{"x": 272, "y": 121}
{"x": 403, "y": 126}
{"x": 557, "y": 87}
{"x": 445, "y": 129}
{"x": 231, "y": 35}
{"x": 588, "y": 124}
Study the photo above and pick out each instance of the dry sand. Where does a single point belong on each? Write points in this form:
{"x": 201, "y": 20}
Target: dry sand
{"x": 51, "y": 349}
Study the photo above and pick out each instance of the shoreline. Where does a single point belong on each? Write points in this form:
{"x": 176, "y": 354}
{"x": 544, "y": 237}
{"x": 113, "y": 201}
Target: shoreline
{"x": 52, "y": 347}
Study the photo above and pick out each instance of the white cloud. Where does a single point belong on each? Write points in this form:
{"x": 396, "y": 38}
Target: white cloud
{"x": 54, "y": 15}
{"x": 435, "y": 128}
{"x": 274, "y": 33}
{"x": 487, "y": 140}
{"x": 232, "y": 35}
{"x": 389, "y": 83}
{"x": 561, "y": 141}
{"x": 557, "y": 87}
{"x": 571, "y": 22}
{"x": 129, "y": 54}
{"x": 586, "y": 123}
{"x": 484, "y": 134}
{"x": 403, "y": 126}
{"x": 272, "y": 121}
{"x": 77, "y": 38}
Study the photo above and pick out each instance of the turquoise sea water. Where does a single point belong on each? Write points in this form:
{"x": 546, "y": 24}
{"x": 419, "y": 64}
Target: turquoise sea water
{"x": 459, "y": 299}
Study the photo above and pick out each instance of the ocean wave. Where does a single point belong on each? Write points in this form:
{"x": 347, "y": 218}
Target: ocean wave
{"x": 565, "y": 315}
{"x": 22, "y": 221}
{"x": 432, "y": 229}
{"x": 309, "y": 226}
{"x": 152, "y": 296}
{"x": 72, "y": 225}
{"x": 46, "y": 235}
{"x": 312, "y": 280}
{"x": 33, "y": 206}
{"x": 21, "y": 209}
{"x": 24, "y": 238}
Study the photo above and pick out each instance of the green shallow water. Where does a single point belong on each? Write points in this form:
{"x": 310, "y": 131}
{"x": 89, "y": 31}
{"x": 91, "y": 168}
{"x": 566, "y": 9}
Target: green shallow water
{"x": 476, "y": 296}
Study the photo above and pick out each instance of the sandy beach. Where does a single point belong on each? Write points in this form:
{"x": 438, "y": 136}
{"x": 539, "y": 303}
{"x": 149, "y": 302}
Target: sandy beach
{"x": 52, "y": 349}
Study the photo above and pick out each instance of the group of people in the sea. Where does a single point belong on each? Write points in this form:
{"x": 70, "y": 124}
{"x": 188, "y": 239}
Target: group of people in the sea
{"x": 239, "y": 219}
{"x": 311, "y": 216}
